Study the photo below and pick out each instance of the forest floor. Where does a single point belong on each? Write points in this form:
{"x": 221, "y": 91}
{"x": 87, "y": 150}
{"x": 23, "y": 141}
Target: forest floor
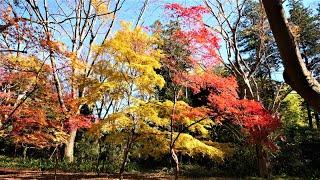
{"x": 10, "y": 174}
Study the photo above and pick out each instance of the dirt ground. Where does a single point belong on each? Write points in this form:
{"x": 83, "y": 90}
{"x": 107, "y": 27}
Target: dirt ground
{"x": 10, "y": 174}
{"x": 6, "y": 174}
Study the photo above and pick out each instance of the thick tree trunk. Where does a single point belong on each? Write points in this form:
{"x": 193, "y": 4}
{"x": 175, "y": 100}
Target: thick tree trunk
{"x": 262, "y": 160}
{"x": 295, "y": 70}
{"x": 309, "y": 116}
{"x": 68, "y": 153}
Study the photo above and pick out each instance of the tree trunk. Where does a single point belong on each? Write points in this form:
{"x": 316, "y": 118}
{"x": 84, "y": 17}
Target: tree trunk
{"x": 124, "y": 162}
{"x": 25, "y": 150}
{"x": 175, "y": 159}
{"x": 296, "y": 73}
{"x": 309, "y": 116}
{"x": 125, "y": 156}
{"x": 68, "y": 153}
{"x": 316, "y": 115}
{"x": 98, "y": 160}
{"x": 262, "y": 160}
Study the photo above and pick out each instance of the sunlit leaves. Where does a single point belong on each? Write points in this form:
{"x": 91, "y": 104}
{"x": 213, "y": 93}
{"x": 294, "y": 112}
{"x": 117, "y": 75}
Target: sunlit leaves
{"x": 31, "y": 112}
{"x": 101, "y": 6}
{"x": 221, "y": 92}
{"x": 133, "y": 51}
{"x": 126, "y": 65}
{"x": 191, "y": 146}
{"x": 151, "y": 122}
{"x": 202, "y": 42}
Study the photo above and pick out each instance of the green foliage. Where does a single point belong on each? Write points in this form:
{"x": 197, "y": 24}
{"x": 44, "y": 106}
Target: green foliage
{"x": 174, "y": 50}
{"x": 299, "y": 155}
{"x": 292, "y": 111}
{"x": 44, "y": 164}
{"x": 307, "y": 28}
{"x": 305, "y": 24}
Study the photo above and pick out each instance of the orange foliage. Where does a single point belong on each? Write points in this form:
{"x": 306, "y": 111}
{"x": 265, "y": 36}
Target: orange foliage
{"x": 222, "y": 97}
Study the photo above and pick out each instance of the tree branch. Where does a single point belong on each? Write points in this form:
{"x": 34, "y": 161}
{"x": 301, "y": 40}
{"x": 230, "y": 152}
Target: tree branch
{"x": 296, "y": 73}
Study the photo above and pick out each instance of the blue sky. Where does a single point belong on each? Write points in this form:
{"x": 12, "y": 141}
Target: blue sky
{"x": 155, "y": 8}
{"x": 155, "y": 11}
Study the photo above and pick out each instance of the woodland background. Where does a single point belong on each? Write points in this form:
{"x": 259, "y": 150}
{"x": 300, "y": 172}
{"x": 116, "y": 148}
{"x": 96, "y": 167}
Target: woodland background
{"x": 102, "y": 86}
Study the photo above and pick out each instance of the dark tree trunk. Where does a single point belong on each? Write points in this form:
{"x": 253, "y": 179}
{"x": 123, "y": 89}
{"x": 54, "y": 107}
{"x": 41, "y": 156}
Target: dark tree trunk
{"x": 296, "y": 73}
{"x": 262, "y": 160}
{"x": 316, "y": 116}
{"x": 124, "y": 162}
{"x": 309, "y": 116}
{"x": 125, "y": 156}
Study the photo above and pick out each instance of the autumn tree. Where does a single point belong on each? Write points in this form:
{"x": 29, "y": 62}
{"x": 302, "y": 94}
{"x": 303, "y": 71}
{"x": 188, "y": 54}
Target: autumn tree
{"x": 250, "y": 55}
{"x": 126, "y": 63}
{"x": 137, "y": 119}
{"x": 90, "y": 21}
{"x": 188, "y": 45}
{"x": 30, "y": 113}
{"x": 251, "y": 115}
{"x": 255, "y": 41}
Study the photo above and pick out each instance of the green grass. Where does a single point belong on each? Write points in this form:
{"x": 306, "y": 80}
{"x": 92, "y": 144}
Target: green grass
{"x": 45, "y": 164}
{"x": 194, "y": 171}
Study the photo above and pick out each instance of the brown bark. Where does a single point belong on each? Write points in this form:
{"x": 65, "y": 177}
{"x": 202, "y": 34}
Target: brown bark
{"x": 295, "y": 70}
{"x": 4, "y": 27}
{"x": 12, "y": 22}
{"x": 125, "y": 155}
{"x": 262, "y": 160}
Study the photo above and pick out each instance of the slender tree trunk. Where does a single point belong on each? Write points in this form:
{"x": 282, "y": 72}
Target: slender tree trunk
{"x": 124, "y": 161}
{"x": 25, "y": 150}
{"x": 262, "y": 160}
{"x": 56, "y": 163}
{"x": 15, "y": 151}
{"x": 309, "y": 116}
{"x": 125, "y": 156}
{"x": 175, "y": 159}
{"x": 68, "y": 153}
{"x": 246, "y": 88}
{"x": 316, "y": 116}
{"x": 98, "y": 160}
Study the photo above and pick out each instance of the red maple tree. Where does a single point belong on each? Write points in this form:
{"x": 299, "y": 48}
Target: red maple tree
{"x": 222, "y": 97}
